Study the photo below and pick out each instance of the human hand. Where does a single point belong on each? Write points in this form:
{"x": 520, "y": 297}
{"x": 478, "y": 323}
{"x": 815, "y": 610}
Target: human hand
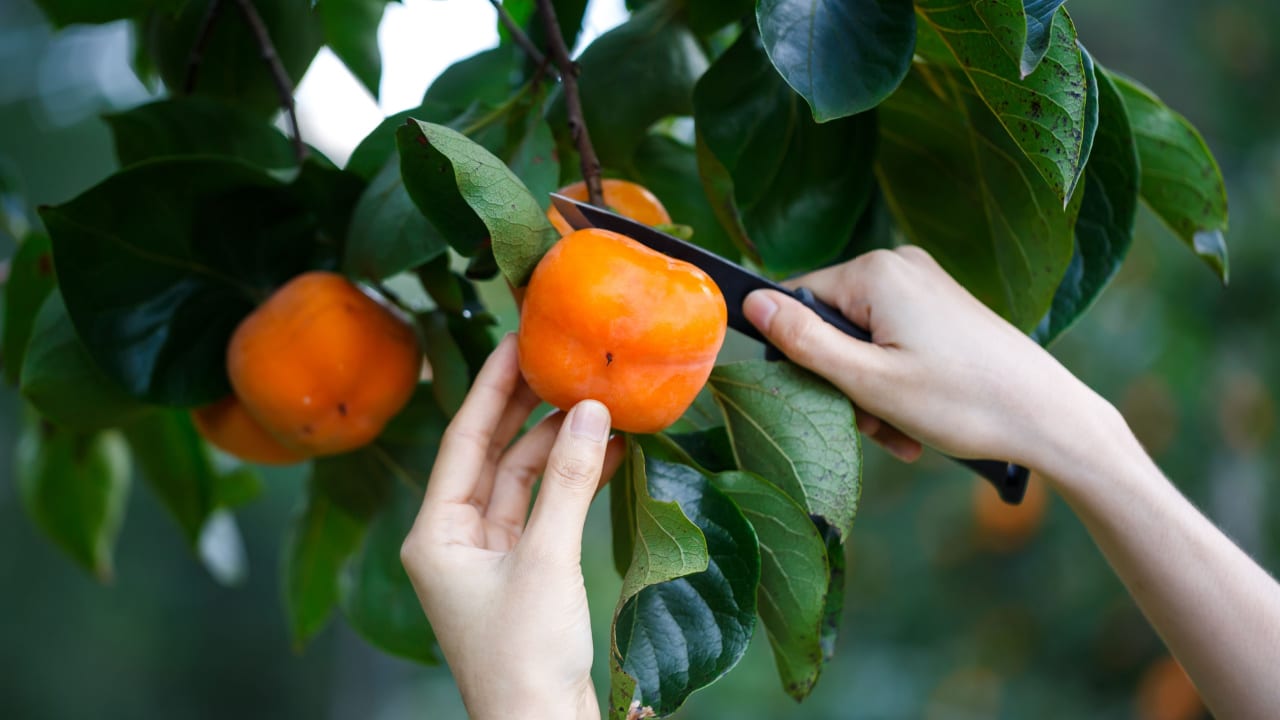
{"x": 506, "y": 598}
{"x": 943, "y": 369}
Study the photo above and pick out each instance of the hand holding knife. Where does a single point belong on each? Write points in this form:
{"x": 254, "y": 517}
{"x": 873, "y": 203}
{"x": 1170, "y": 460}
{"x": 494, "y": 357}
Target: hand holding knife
{"x": 736, "y": 282}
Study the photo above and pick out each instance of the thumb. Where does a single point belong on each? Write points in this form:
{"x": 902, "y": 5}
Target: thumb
{"x": 569, "y": 483}
{"x": 808, "y": 340}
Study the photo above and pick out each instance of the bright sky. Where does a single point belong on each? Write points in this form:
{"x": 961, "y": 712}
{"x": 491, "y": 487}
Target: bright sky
{"x": 419, "y": 39}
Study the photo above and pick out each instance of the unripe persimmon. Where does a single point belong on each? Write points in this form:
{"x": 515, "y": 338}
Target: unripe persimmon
{"x": 229, "y": 426}
{"x": 322, "y": 365}
{"x": 606, "y": 318}
{"x": 621, "y": 196}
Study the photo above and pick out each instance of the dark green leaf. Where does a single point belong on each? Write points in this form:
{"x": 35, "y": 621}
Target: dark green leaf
{"x": 710, "y": 449}
{"x": 469, "y": 194}
{"x": 569, "y": 13}
{"x": 377, "y": 598}
{"x": 175, "y": 464}
{"x": 358, "y": 482}
{"x": 708, "y": 16}
{"x": 798, "y": 187}
{"x": 680, "y": 623}
{"x": 1044, "y": 112}
{"x": 331, "y": 195}
{"x": 74, "y": 486}
{"x": 379, "y": 146}
{"x": 795, "y": 430}
{"x": 197, "y": 126}
{"x": 717, "y": 185}
{"x": 959, "y": 187}
{"x": 31, "y": 279}
{"x": 634, "y": 75}
{"x": 1040, "y": 14}
{"x": 449, "y": 372}
{"x": 407, "y": 446}
{"x": 793, "y": 576}
{"x": 670, "y": 170}
{"x": 63, "y": 382}
{"x": 388, "y": 233}
{"x": 1104, "y": 229}
{"x": 843, "y": 56}
{"x": 486, "y": 78}
{"x": 1181, "y": 181}
{"x": 71, "y": 12}
{"x": 351, "y": 32}
{"x": 321, "y": 539}
{"x": 834, "y": 607}
{"x": 529, "y": 149}
{"x": 161, "y": 261}
{"x": 231, "y": 66}
{"x": 1092, "y": 113}
{"x": 237, "y": 488}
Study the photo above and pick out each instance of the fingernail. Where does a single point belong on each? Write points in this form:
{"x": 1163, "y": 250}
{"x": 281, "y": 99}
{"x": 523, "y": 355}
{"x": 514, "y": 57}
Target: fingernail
{"x": 590, "y": 421}
{"x": 759, "y": 309}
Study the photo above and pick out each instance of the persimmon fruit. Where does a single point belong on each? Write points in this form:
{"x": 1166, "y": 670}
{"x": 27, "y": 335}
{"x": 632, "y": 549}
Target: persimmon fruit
{"x": 1004, "y": 527}
{"x": 229, "y": 426}
{"x": 322, "y": 365}
{"x": 606, "y": 318}
{"x": 621, "y": 196}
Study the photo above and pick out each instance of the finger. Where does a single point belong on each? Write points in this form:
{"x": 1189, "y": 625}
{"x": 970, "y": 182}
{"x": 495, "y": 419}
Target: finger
{"x": 522, "y": 402}
{"x": 466, "y": 442}
{"x": 867, "y": 423}
{"x": 574, "y": 467}
{"x": 517, "y": 472}
{"x": 813, "y": 343}
{"x": 851, "y": 286}
{"x": 902, "y": 446}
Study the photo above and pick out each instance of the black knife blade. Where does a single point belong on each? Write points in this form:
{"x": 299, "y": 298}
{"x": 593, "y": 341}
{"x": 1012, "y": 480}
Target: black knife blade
{"x": 735, "y": 283}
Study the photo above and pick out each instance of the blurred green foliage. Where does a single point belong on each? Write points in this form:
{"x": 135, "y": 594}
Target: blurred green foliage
{"x": 942, "y": 619}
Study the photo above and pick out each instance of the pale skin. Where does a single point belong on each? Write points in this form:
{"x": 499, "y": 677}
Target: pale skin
{"x": 506, "y": 598}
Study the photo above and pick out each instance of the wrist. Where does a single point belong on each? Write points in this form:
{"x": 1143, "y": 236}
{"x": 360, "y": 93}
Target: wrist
{"x": 493, "y": 703}
{"x": 1083, "y": 443}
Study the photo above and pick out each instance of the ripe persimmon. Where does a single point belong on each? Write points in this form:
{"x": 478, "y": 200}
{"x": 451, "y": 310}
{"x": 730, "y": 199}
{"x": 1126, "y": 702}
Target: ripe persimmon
{"x": 606, "y": 318}
{"x": 229, "y": 426}
{"x": 1006, "y": 527}
{"x": 322, "y": 365}
{"x": 1166, "y": 693}
{"x": 621, "y": 196}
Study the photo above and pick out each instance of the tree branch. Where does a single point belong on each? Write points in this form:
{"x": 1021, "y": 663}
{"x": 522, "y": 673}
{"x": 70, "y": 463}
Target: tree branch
{"x": 284, "y": 86}
{"x": 573, "y": 103}
{"x": 203, "y": 34}
{"x": 518, "y": 34}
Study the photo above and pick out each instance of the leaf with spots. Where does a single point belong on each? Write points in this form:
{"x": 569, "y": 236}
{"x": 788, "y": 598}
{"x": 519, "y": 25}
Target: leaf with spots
{"x": 795, "y": 430}
{"x": 688, "y": 603}
{"x": 1043, "y": 112}
{"x": 1181, "y": 181}
{"x": 469, "y": 194}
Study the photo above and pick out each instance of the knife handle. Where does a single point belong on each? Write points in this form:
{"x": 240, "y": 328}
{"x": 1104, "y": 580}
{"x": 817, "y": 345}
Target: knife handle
{"x": 1010, "y": 480}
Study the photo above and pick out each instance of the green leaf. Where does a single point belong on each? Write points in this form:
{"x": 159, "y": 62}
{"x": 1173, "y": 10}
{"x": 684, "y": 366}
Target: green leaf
{"x": 323, "y": 535}
{"x": 798, "y": 187}
{"x": 793, "y": 576}
{"x": 375, "y": 593}
{"x": 450, "y": 377}
{"x": 407, "y": 447}
{"x": 231, "y": 66}
{"x": 1092, "y": 114}
{"x": 1181, "y": 181}
{"x": 688, "y": 601}
{"x": 330, "y": 194}
{"x": 1044, "y": 112}
{"x": 31, "y": 279}
{"x": 1104, "y": 229}
{"x": 708, "y": 16}
{"x": 669, "y": 169}
{"x": 351, "y": 32}
{"x": 834, "y": 607}
{"x": 795, "y": 430}
{"x": 469, "y": 194}
{"x": 161, "y": 261}
{"x": 711, "y": 449}
{"x": 633, "y": 76}
{"x": 237, "y": 488}
{"x": 175, "y": 463}
{"x": 74, "y": 486}
{"x": 71, "y": 12}
{"x": 388, "y": 234}
{"x": 486, "y": 78}
{"x": 62, "y": 381}
{"x": 959, "y": 188}
{"x": 379, "y": 146}
{"x": 197, "y": 125}
{"x": 843, "y": 56}
{"x": 1040, "y": 15}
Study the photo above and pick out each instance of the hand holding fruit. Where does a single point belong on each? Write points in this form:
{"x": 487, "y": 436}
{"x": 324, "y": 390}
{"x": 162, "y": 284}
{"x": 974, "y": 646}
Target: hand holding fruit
{"x": 506, "y": 597}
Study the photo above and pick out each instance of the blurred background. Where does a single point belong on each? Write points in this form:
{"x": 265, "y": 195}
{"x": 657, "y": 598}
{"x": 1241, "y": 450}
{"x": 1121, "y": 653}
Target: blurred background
{"x": 956, "y": 607}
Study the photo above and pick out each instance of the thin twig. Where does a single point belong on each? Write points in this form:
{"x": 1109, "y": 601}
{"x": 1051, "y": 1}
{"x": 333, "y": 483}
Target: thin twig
{"x": 284, "y": 86}
{"x": 573, "y": 103}
{"x": 203, "y": 34}
{"x": 518, "y": 34}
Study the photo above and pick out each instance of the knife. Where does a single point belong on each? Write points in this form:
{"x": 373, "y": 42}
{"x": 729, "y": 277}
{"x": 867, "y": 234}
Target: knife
{"x": 736, "y": 282}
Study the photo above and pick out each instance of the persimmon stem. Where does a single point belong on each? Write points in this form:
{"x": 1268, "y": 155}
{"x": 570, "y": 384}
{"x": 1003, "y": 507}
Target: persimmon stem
{"x": 284, "y": 86}
{"x": 196, "y": 56}
{"x": 518, "y": 34}
{"x": 573, "y": 103}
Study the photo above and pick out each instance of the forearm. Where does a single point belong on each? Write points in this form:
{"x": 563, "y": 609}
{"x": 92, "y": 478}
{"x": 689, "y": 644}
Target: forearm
{"x": 1217, "y": 610}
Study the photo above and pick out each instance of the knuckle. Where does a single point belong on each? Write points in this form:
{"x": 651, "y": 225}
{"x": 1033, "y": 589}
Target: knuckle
{"x": 575, "y": 472}
{"x": 798, "y": 337}
{"x": 915, "y": 254}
